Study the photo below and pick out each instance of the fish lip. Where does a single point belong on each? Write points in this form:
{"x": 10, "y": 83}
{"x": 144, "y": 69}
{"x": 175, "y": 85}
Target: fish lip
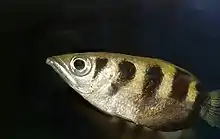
{"x": 62, "y": 69}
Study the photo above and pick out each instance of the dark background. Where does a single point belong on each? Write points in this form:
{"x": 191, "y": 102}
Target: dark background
{"x": 186, "y": 33}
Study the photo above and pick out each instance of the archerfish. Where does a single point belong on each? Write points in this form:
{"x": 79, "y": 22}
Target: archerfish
{"x": 146, "y": 91}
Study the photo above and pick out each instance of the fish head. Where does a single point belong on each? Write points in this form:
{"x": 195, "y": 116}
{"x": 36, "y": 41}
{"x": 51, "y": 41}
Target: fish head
{"x": 81, "y": 71}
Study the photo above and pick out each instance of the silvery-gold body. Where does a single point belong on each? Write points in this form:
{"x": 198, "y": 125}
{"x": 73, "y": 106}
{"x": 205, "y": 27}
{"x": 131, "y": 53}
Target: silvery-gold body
{"x": 145, "y": 91}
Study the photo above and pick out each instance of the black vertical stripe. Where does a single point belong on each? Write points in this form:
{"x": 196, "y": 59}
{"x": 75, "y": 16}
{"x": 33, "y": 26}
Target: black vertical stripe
{"x": 114, "y": 88}
{"x": 100, "y": 64}
{"x": 199, "y": 98}
{"x": 127, "y": 72}
{"x": 198, "y": 87}
{"x": 152, "y": 80}
{"x": 180, "y": 85}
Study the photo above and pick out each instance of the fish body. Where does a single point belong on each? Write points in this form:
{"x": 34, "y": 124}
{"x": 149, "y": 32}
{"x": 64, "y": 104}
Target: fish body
{"x": 109, "y": 127}
{"x": 145, "y": 91}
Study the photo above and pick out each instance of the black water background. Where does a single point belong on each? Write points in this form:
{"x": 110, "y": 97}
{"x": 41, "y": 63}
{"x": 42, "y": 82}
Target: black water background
{"x": 187, "y": 34}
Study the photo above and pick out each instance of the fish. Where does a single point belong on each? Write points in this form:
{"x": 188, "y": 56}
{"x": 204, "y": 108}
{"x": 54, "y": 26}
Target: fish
{"x": 108, "y": 127}
{"x": 146, "y": 91}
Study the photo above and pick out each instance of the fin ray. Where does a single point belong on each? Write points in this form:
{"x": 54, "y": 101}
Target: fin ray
{"x": 210, "y": 110}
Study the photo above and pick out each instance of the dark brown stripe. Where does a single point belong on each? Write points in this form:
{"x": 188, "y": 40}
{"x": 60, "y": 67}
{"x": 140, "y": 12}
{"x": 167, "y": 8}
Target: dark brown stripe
{"x": 100, "y": 64}
{"x": 127, "y": 72}
{"x": 199, "y": 87}
{"x": 180, "y": 85}
{"x": 199, "y": 98}
{"x": 152, "y": 80}
{"x": 114, "y": 88}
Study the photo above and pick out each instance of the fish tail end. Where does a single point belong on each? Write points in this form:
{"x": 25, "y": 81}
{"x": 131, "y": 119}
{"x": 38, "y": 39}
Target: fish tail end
{"x": 210, "y": 110}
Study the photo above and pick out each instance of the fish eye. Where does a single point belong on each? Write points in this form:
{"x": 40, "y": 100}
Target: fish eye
{"x": 80, "y": 66}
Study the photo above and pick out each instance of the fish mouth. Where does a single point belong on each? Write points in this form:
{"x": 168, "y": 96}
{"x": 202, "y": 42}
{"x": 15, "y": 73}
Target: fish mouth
{"x": 62, "y": 69}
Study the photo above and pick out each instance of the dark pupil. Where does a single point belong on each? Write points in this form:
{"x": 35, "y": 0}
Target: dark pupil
{"x": 79, "y": 64}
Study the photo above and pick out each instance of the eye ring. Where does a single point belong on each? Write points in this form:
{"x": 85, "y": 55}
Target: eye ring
{"x": 80, "y": 66}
